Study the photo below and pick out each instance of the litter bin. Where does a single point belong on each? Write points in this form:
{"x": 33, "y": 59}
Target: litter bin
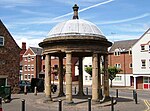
{"x": 5, "y": 92}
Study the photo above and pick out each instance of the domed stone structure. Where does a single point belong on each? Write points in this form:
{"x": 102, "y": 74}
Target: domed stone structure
{"x": 76, "y": 38}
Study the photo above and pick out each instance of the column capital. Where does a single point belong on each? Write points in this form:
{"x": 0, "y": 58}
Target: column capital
{"x": 68, "y": 52}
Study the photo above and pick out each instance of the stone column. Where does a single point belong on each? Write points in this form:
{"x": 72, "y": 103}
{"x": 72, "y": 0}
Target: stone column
{"x": 68, "y": 78}
{"x": 80, "y": 77}
{"x": 99, "y": 77}
{"x": 48, "y": 77}
{"x": 95, "y": 90}
{"x": 134, "y": 82}
{"x": 60, "y": 77}
{"x": 106, "y": 77}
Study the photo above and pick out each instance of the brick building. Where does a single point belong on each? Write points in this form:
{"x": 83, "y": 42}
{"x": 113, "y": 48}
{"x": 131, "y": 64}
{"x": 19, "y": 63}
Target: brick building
{"x": 9, "y": 60}
{"x": 120, "y": 55}
{"x": 31, "y": 63}
{"x": 55, "y": 68}
{"x": 141, "y": 62}
{"x": 23, "y": 50}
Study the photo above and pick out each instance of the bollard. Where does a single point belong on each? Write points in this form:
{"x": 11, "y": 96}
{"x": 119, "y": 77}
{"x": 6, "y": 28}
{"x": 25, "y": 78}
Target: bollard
{"x": 112, "y": 104}
{"x": 75, "y": 91}
{"x": 1, "y": 104}
{"x": 60, "y": 104}
{"x": 23, "y": 105}
{"x": 87, "y": 91}
{"x": 135, "y": 98}
{"x": 89, "y": 104}
{"x": 25, "y": 90}
{"x": 35, "y": 90}
{"x": 134, "y": 94}
{"x": 116, "y": 93}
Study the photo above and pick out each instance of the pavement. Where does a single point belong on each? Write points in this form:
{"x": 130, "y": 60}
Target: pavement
{"x": 36, "y": 103}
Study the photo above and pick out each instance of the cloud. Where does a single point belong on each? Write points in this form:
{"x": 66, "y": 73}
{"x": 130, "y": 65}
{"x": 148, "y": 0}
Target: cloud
{"x": 84, "y": 9}
{"x": 29, "y": 42}
{"x": 125, "y": 20}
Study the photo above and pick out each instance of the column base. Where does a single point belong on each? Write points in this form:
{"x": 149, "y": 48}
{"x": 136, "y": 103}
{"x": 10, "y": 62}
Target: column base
{"x": 81, "y": 93}
{"x": 95, "y": 101}
{"x": 69, "y": 102}
{"x": 47, "y": 99}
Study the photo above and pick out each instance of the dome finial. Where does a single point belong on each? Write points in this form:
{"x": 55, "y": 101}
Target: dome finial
{"x": 75, "y": 9}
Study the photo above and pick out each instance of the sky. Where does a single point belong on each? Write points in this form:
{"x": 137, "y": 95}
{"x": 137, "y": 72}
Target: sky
{"x": 31, "y": 20}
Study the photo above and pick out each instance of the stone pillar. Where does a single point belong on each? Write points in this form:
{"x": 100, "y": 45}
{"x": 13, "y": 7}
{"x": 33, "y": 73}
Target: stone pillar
{"x": 99, "y": 76}
{"x": 95, "y": 89}
{"x": 106, "y": 77}
{"x": 68, "y": 78}
{"x": 48, "y": 77}
{"x": 134, "y": 82}
{"x": 60, "y": 77}
{"x": 80, "y": 77}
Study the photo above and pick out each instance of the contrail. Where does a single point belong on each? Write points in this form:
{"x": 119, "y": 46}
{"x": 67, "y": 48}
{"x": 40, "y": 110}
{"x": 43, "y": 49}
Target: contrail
{"x": 126, "y": 20}
{"x": 102, "y": 3}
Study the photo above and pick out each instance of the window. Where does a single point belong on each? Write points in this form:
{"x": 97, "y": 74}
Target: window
{"x": 25, "y": 59}
{"x": 118, "y": 65}
{"x": 143, "y": 63}
{"x": 130, "y": 52}
{"x": 25, "y": 76}
{"x": 32, "y": 75}
{"x": 1, "y": 41}
{"x": 29, "y": 58}
{"x": 130, "y": 65}
{"x": 118, "y": 78}
{"x": 28, "y": 67}
{"x": 116, "y": 53}
{"x": 90, "y": 77}
{"x": 29, "y": 76}
{"x": 142, "y": 48}
{"x": 25, "y": 67}
{"x": 32, "y": 67}
{"x": 90, "y": 65}
{"x": 145, "y": 79}
{"x": 85, "y": 66}
{"x": 86, "y": 77}
{"x": 32, "y": 58}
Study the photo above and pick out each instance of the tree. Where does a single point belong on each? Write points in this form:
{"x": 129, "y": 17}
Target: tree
{"x": 112, "y": 71}
{"x": 88, "y": 70}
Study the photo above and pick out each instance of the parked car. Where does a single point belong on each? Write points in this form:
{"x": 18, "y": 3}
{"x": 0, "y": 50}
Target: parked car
{"x": 24, "y": 83}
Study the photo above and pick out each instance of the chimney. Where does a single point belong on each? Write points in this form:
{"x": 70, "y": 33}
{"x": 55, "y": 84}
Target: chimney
{"x": 75, "y": 9}
{"x": 23, "y": 45}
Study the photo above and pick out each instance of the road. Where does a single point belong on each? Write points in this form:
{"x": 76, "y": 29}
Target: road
{"x": 33, "y": 102}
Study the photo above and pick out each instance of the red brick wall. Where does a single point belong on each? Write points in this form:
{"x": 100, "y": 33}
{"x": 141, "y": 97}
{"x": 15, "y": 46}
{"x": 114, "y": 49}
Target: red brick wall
{"x": 124, "y": 59}
{"x": 55, "y": 61}
{"x": 9, "y": 59}
{"x": 36, "y": 62}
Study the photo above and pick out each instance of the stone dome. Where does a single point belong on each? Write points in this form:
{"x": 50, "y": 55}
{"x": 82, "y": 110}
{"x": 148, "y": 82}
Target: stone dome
{"x": 75, "y": 27}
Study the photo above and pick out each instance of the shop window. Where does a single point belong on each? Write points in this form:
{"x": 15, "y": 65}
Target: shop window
{"x": 145, "y": 79}
{"x": 118, "y": 78}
